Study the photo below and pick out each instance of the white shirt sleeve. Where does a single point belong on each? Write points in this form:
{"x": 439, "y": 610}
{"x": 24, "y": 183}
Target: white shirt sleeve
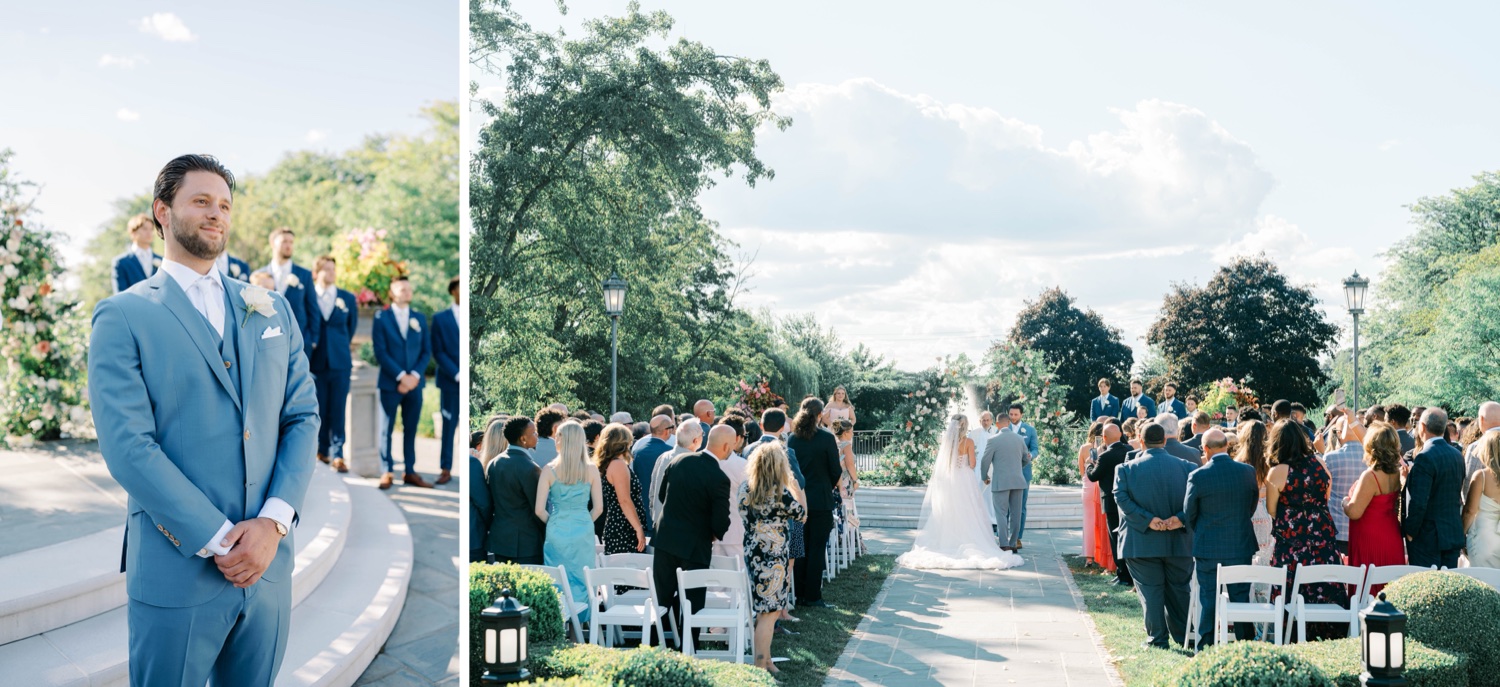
{"x": 280, "y": 511}
{"x": 214, "y": 547}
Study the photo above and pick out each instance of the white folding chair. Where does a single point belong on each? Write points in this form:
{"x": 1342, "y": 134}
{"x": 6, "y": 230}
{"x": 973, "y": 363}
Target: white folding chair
{"x": 1194, "y": 633}
{"x": 613, "y": 611}
{"x": 1226, "y": 611}
{"x": 637, "y": 561}
{"x": 570, "y": 607}
{"x": 734, "y": 618}
{"x": 1302, "y": 612}
{"x": 1489, "y": 576}
{"x": 1386, "y": 574}
{"x": 727, "y": 563}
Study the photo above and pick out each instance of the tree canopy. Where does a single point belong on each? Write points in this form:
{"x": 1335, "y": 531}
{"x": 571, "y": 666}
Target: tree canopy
{"x": 1078, "y": 342}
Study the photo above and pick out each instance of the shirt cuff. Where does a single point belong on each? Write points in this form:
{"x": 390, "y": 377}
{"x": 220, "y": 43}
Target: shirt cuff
{"x": 214, "y": 548}
{"x": 280, "y": 511}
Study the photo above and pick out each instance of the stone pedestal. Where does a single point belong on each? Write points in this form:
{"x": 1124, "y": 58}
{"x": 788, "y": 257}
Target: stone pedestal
{"x": 364, "y": 422}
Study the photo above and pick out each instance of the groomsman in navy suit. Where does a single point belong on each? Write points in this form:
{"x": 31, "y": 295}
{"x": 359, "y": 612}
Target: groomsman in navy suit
{"x": 445, "y": 351}
{"x": 1137, "y": 399}
{"x": 233, "y": 267}
{"x": 294, "y": 282}
{"x": 138, "y": 261}
{"x": 1170, "y": 402}
{"x": 330, "y": 361}
{"x": 1106, "y": 405}
{"x": 402, "y": 348}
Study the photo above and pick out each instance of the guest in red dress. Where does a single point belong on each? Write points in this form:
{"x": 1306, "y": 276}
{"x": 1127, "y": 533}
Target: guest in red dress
{"x": 1374, "y": 530}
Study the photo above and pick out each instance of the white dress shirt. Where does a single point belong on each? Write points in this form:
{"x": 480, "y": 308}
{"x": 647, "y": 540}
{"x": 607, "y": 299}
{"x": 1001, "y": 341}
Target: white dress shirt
{"x": 206, "y": 292}
{"x": 326, "y": 299}
{"x": 403, "y": 320}
{"x": 143, "y": 256}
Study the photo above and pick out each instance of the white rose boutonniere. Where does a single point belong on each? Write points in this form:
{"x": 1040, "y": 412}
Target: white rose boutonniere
{"x": 414, "y": 325}
{"x": 257, "y": 300}
{"x": 234, "y": 270}
{"x": 156, "y": 262}
{"x": 292, "y": 282}
{"x": 338, "y": 304}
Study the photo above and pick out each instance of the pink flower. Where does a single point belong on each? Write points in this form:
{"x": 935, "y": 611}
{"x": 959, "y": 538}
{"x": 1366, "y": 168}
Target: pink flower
{"x": 42, "y": 348}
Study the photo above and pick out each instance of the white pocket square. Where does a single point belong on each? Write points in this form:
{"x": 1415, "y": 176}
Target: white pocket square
{"x": 271, "y": 333}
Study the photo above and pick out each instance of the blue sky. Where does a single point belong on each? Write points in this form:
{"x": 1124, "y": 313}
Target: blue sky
{"x": 98, "y": 95}
{"x": 950, "y": 160}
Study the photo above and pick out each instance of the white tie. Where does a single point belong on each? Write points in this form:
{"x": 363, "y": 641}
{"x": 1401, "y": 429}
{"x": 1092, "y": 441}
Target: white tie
{"x": 209, "y": 301}
{"x": 400, "y": 321}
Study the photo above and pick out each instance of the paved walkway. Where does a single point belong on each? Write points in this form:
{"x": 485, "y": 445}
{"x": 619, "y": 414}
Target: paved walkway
{"x": 1019, "y": 626}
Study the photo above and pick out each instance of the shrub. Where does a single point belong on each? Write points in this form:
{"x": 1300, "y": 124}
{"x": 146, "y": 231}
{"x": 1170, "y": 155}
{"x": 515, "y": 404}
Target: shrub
{"x": 1458, "y": 614}
{"x": 531, "y": 588}
{"x": 646, "y": 666}
{"x": 1249, "y": 664}
{"x": 1342, "y": 661}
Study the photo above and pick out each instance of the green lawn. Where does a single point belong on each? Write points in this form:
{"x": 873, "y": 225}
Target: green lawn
{"x": 824, "y": 633}
{"x": 1117, "y": 615}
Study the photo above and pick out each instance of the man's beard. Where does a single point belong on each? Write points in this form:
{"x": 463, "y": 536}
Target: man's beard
{"x": 194, "y": 242}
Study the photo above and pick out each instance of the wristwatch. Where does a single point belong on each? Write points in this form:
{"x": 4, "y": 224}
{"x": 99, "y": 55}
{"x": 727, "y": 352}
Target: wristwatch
{"x": 280, "y": 528}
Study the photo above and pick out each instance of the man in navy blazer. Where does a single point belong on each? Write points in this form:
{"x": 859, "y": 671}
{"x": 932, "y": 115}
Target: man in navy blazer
{"x": 445, "y": 352}
{"x": 138, "y": 261}
{"x": 1137, "y": 399}
{"x": 233, "y": 267}
{"x": 1433, "y": 525}
{"x": 1170, "y": 402}
{"x": 295, "y": 282}
{"x": 1150, "y": 491}
{"x": 403, "y": 349}
{"x": 1221, "y": 498}
{"x": 1106, "y": 405}
{"x": 330, "y": 361}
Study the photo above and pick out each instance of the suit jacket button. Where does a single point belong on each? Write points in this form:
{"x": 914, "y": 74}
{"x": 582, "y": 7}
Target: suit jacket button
{"x": 227, "y": 364}
{"x": 247, "y": 434}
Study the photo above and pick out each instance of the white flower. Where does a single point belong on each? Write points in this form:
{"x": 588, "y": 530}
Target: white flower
{"x": 292, "y": 281}
{"x": 24, "y": 441}
{"x": 49, "y": 411}
{"x": 14, "y": 244}
{"x": 156, "y": 262}
{"x": 11, "y": 271}
{"x": 20, "y": 303}
{"x": 36, "y": 425}
{"x": 27, "y": 291}
{"x": 257, "y": 300}
{"x": 414, "y": 325}
{"x": 338, "y": 304}
{"x": 234, "y": 270}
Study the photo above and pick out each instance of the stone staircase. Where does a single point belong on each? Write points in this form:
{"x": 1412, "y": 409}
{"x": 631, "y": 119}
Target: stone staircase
{"x": 62, "y": 607}
{"x": 1048, "y": 507}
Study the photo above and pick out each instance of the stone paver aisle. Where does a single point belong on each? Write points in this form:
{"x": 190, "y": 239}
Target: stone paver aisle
{"x": 972, "y": 627}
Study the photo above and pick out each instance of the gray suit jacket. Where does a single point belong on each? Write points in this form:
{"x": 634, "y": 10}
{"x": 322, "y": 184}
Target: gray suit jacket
{"x": 1152, "y": 486}
{"x": 1184, "y": 452}
{"x": 1004, "y": 454}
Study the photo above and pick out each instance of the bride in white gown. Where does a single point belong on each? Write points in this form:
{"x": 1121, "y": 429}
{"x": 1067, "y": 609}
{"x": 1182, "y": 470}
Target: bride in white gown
{"x": 954, "y": 532}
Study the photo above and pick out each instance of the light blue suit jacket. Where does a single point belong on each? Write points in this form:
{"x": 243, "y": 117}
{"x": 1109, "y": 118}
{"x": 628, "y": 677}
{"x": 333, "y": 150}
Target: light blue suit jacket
{"x": 190, "y": 452}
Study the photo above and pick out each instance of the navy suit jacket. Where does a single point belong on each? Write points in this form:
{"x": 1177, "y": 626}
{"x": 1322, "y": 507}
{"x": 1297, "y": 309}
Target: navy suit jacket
{"x": 128, "y": 271}
{"x": 1433, "y": 491}
{"x": 445, "y": 349}
{"x": 332, "y": 350}
{"x": 1106, "y": 407}
{"x": 1152, "y": 486}
{"x": 395, "y": 355}
{"x": 303, "y": 302}
{"x": 1127, "y": 407}
{"x": 1221, "y": 498}
{"x": 1175, "y": 406}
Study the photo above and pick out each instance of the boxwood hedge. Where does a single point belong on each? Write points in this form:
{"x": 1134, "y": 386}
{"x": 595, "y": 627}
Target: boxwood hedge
{"x": 1455, "y": 613}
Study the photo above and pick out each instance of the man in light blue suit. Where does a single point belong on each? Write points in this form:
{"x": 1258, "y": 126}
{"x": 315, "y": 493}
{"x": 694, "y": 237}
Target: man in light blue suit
{"x": 445, "y": 352}
{"x": 330, "y": 361}
{"x": 1027, "y": 434}
{"x": 295, "y": 283}
{"x": 138, "y": 261}
{"x": 402, "y": 348}
{"x": 208, "y": 419}
{"x": 1106, "y": 405}
{"x": 1129, "y": 407}
{"x": 1170, "y": 403}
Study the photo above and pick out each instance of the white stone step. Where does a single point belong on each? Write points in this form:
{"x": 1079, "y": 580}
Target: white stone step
{"x": 54, "y": 586}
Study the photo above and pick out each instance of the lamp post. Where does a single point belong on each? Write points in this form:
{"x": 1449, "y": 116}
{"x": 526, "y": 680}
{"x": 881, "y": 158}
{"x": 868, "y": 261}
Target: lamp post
{"x": 1384, "y": 640}
{"x": 503, "y": 627}
{"x": 1354, "y": 297}
{"x": 614, "y": 304}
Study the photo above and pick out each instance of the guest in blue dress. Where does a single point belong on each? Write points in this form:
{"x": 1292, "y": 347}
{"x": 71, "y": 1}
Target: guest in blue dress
{"x": 563, "y": 496}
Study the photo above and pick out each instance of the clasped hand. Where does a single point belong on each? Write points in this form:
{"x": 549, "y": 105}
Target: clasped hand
{"x": 252, "y": 546}
{"x": 1171, "y": 523}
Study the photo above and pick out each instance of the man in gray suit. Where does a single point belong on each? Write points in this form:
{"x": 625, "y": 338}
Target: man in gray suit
{"x": 1004, "y": 456}
{"x": 1172, "y": 426}
{"x": 1150, "y": 491}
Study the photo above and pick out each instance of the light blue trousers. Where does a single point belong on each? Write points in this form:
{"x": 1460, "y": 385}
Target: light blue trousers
{"x": 235, "y": 640}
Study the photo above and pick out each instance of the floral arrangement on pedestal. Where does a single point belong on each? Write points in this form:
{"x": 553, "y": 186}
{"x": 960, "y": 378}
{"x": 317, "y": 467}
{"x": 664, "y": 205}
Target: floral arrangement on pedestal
{"x": 1226, "y": 392}
{"x": 1019, "y": 374}
{"x": 923, "y": 416}
{"x": 365, "y": 266}
{"x": 43, "y": 392}
{"x": 757, "y": 398}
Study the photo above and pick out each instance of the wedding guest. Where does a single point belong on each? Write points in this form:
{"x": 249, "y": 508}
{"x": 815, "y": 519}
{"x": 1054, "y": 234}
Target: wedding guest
{"x": 402, "y": 348}
{"x": 331, "y": 362}
{"x": 703, "y": 410}
{"x": 671, "y": 438}
{"x": 1220, "y": 502}
{"x": 516, "y": 535}
{"x": 1168, "y": 422}
{"x": 1033, "y": 446}
{"x": 1374, "y": 414}
{"x": 843, "y": 431}
{"x": 645, "y": 458}
{"x": 1130, "y": 407}
{"x": 818, "y": 454}
{"x": 695, "y": 513}
{"x": 767, "y": 503}
{"x": 232, "y": 267}
{"x": 622, "y": 418}
{"x": 1249, "y": 414}
{"x": 263, "y": 280}
{"x": 547, "y": 420}
{"x": 1398, "y": 416}
{"x": 734, "y": 467}
{"x": 1372, "y": 505}
{"x": 138, "y": 261}
{"x": 1105, "y": 405}
{"x": 1231, "y": 417}
{"x": 838, "y": 408}
{"x": 1251, "y": 448}
{"x": 591, "y": 430}
{"x": 1200, "y": 424}
{"x": 1482, "y": 514}
{"x": 687, "y": 442}
{"x": 445, "y": 350}
{"x": 481, "y": 509}
{"x": 774, "y": 422}
{"x": 569, "y": 499}
{"x": 639, "y": 431}
{"x": 1345, "y": 467}
{"x": 1002, "y": 465}
{"x": 1297, "y": 497}
{"x": 295, "y": 283}
{"x": 1150, "y": 491}
{"x": 1191, "y": 403}
{"x": 1096, "y": 547}
{"x": 1130, "y": 431}
{"x": 1170, "y": 403}
{"x": 1487, "y": 423}
{"x": 1434, "y": 520}
{"x": 621, "y": 528}
{"x": 1102, "y": 471}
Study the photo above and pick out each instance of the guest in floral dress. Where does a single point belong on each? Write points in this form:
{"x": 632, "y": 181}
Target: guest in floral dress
{"x": 768, "y": 500}
{"x": 1297, "y": 496}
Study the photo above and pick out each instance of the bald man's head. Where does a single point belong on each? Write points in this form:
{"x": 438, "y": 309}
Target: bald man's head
{"x": 1214, "y": 441}
{"x": 661, "y": 426}
{"x": 1111, "y": 433}
{"x": 1489, "y": 415}
{"x": 704, "y": 410}
{"x": 721, "y": 441}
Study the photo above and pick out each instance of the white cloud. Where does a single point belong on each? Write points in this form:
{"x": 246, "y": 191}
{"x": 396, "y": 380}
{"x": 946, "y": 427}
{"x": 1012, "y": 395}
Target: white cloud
{"x": 1388, "y": 144}
{"x": 166, "y": 26}
{"x": 130, "y": 62}
{"x": 316, "y": 135}
{"x": 127, "y": 115}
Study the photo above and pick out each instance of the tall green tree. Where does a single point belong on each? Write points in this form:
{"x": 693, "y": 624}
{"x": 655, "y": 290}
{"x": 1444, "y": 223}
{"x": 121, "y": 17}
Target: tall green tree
{"x": 1248, "y": 321}
{"x": 1078, "y": 342}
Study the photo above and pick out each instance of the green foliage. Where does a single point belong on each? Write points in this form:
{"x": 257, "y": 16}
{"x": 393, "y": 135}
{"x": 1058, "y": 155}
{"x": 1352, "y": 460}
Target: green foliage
{"x": 1248, "y": 321}
{"x": 1455, "y": 613}
{"x": 1343, "y": 662}
{"x": 1079, "y": 343}
{"x": 1019, "y": 374}
{"x": 1249, "y": 664}
{"x": 646, "y": 666}
{"x": 532, "y": 589}
{"x": 923, "y": 416}
{"x": 1226, "y": 392}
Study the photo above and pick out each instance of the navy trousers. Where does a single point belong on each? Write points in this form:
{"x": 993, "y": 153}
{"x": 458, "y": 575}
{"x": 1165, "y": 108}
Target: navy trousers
{"x": 410, "y": 405}
{"x": 333, "y": 398}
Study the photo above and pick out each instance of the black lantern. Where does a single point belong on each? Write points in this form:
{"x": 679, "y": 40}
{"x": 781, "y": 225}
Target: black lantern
{"x": 1384, "y": 645}
{"x": 614, "y": 304}
{"x": 503, "y": 630}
